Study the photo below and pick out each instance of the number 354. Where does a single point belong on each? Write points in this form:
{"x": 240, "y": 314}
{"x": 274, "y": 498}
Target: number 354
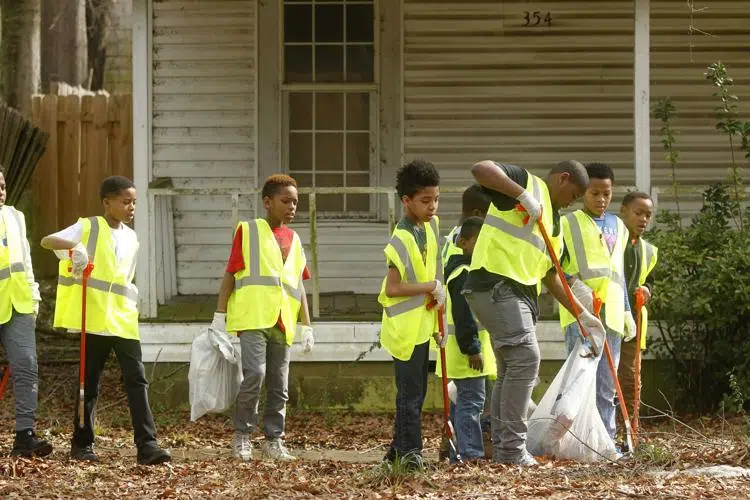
{"x": 536, "y": 18}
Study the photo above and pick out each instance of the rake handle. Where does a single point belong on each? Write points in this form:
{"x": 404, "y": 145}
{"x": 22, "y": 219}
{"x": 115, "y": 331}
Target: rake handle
{"x": 640, "y": 301}
{"x": 82, "y": 361}
{"x": 4, "y": 381}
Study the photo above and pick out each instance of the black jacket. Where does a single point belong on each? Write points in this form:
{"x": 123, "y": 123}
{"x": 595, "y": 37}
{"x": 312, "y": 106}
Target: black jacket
{"x": 467, "y": 334}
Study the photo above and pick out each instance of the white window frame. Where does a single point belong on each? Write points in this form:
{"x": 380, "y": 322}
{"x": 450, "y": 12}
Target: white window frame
{"x": 370, "y": 88}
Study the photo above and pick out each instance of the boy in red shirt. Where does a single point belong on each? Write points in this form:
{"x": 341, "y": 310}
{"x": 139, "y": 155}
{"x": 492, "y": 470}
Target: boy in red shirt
{"x": 261, "y": 297}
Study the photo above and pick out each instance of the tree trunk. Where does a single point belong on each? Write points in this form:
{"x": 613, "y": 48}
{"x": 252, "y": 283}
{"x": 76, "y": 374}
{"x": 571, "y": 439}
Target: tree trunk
{"x": 20, "y": 52}
{"x": 98, "y": 22}
{"x": 64, "y": 42}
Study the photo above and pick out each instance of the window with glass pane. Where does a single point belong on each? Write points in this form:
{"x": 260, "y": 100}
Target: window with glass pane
{"x": 329, "y": 146}
{"x": 329, "y": 48}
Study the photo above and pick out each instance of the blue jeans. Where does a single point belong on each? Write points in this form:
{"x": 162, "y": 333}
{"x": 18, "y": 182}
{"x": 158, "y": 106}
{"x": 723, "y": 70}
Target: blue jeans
{"x": 466, "y": 414}
{"x": 411, "y": 389}
{"x": 605, "y": 384}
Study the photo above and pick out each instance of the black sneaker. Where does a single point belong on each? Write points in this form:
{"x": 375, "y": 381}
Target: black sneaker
{"x": 83, "y": 453}
{"x": 153, "y": 455}
{"x": 27, "y": 445}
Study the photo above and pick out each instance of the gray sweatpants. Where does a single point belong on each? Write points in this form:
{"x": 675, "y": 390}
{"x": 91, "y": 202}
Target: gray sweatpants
{"x": 511, "y": 325}
{"x": 265, "y": 356}
{"x": 18, "y": 336}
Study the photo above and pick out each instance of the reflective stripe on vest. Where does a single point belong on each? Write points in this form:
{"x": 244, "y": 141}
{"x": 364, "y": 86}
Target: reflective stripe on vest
{"x": 112, "y": 300}
{"x": 585, "y": 271}
{"x": 526, "y": 232}
{"x": 15, "y": 292}
{"x": 411, "y": 277}
{"x": 406, "y": 321}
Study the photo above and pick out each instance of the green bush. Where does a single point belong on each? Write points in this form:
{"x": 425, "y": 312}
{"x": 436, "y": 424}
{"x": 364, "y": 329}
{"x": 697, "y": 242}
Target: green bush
{"x": 702, "y": 281}
{"x": 702, "y": 301}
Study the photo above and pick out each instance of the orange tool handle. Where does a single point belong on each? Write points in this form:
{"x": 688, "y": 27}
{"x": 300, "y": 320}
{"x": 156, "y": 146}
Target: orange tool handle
{"x": 640, "y": 301}
{"x": 82, "y": 361}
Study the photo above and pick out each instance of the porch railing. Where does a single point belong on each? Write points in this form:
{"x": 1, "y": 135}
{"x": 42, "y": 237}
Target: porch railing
{"x": 235, "y": 193}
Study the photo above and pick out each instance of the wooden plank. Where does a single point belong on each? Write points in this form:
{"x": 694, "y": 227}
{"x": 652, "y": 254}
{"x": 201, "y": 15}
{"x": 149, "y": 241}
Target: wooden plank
{"x": 70, "y": 202}
{"x": 121, "y": 143}
{"x": 45, "y": 187}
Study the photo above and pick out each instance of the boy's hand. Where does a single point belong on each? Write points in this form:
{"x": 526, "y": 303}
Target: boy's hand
{"x": 307, "y": 337}
{"x": 80, "y": 258}
{"x": 440, "y": 340}
{"x": 532, "y": 207}
{"x": 219, "y": 322}
{"x": 438, "y": 293}
{"x": 476, "y": 362}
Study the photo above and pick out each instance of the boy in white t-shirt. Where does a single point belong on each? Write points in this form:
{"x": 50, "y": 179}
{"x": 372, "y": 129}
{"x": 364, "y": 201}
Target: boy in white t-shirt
{"x": 112, "y": 313}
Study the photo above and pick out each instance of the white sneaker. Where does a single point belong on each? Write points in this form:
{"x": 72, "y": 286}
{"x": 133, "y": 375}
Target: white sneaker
{"x": 524, "y": 460}
{"x": 274, "y": 449}
{"x": 241, "y": 447}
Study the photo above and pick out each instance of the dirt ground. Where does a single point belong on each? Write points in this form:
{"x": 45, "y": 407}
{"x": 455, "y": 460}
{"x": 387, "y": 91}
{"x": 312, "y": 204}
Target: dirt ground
{"x": 339, "y": 458}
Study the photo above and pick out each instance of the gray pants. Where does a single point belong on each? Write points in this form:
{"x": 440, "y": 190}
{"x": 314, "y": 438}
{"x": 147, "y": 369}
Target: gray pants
{"x": 512, "y": 328}
{"x": 265, "y": 356}
{"x": 18, "y": 336}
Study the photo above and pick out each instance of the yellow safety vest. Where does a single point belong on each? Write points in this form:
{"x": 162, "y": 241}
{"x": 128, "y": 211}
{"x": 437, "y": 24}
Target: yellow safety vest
{"x": 508, "y": 247}
{"x": 649, "y": 256}
{"x": 450, "y": 248}
{"x": 591, "y": 261}
{"x": 406, "y": 320}
{"x": 268, "y": 286}
{"x": 15, "y": 292}
{"x": 111, "y": 298}
{"x": 458, "y": 362}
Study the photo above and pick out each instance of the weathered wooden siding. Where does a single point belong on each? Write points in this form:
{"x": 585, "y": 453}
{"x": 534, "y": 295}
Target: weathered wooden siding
{"x": 118, "y": 69}
{"x": 678, "y": 60}
{"x": 480, "y": 85}
{"x": 204, "y": 119}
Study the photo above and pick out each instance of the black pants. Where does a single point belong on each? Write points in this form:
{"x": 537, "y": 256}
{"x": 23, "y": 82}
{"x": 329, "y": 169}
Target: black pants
{"x": 128, "y": 354}
{"x": 411, "y": 389}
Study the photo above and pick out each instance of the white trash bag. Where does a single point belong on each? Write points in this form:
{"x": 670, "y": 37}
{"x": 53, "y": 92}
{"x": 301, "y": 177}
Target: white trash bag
{"x": 566, "y": 424}
{"x": 215, "y": 373}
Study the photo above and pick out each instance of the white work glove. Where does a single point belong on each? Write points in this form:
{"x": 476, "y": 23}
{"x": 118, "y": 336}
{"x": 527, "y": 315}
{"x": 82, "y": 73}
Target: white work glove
{"x": 439, "y": 293}
{"x": 219, "y": 322}
{"x": 584, "y": 294}
{"x": 306, "y": 336}
{"x": 452, "y": 392}
{"x": 80, "y": 259}
{"x": 630, "y": 328}
{"x": 36, "y": 308}
{"x": 593, "y": 327}
{"x": 533, "y": 208}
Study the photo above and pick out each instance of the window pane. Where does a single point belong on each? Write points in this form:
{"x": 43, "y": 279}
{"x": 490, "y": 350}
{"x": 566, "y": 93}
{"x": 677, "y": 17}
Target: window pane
{"x": 300, "y": 111}
{"x": 300, "y": 151}
{"x": 330, "y": 202}
{"x": 329, "y": 111}
{"x": 359, "y": 63}
{"x": 303, "y": 180}
{"x": 329, "y": 64}
{"x": 298, "y": 64}
{"x": 358, "y": 111}
{"x": 359, "y": 23}
{"x": 358, "y": 152}
{"x": 297, "y": 25}
{"x": 329, "y": 23}
{"x": 358, "y": 202}
{"x": 329, "y": 152}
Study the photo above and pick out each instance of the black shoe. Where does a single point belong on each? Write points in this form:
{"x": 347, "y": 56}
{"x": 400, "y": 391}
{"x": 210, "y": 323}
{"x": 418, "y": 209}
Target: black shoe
{"x": 153, "y": 455}
{"x": 83, "y": 453}
{"x": 27, "y": 445}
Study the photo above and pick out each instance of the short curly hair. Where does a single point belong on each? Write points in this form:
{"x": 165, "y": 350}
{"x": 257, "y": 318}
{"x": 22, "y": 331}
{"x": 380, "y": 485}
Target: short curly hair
{"x": 112, "y": 186}
{"x": 415, "y": 175}
{"x": 600, "y": 171}
{"x": 274, "y": 183}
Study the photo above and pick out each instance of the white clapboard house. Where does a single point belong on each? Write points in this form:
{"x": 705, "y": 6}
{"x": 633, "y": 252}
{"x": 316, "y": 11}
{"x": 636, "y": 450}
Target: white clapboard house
{"x": 339, "y": 93}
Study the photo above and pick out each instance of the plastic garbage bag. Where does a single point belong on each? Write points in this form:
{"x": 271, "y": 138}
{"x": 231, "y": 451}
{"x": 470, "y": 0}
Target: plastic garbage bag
{"x": 215, "y": 373}
{"x": 566, "y": 424}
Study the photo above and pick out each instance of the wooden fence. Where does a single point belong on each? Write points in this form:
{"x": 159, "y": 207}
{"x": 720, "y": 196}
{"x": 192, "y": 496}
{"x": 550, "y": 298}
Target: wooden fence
{"x": 90, "y": 138}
